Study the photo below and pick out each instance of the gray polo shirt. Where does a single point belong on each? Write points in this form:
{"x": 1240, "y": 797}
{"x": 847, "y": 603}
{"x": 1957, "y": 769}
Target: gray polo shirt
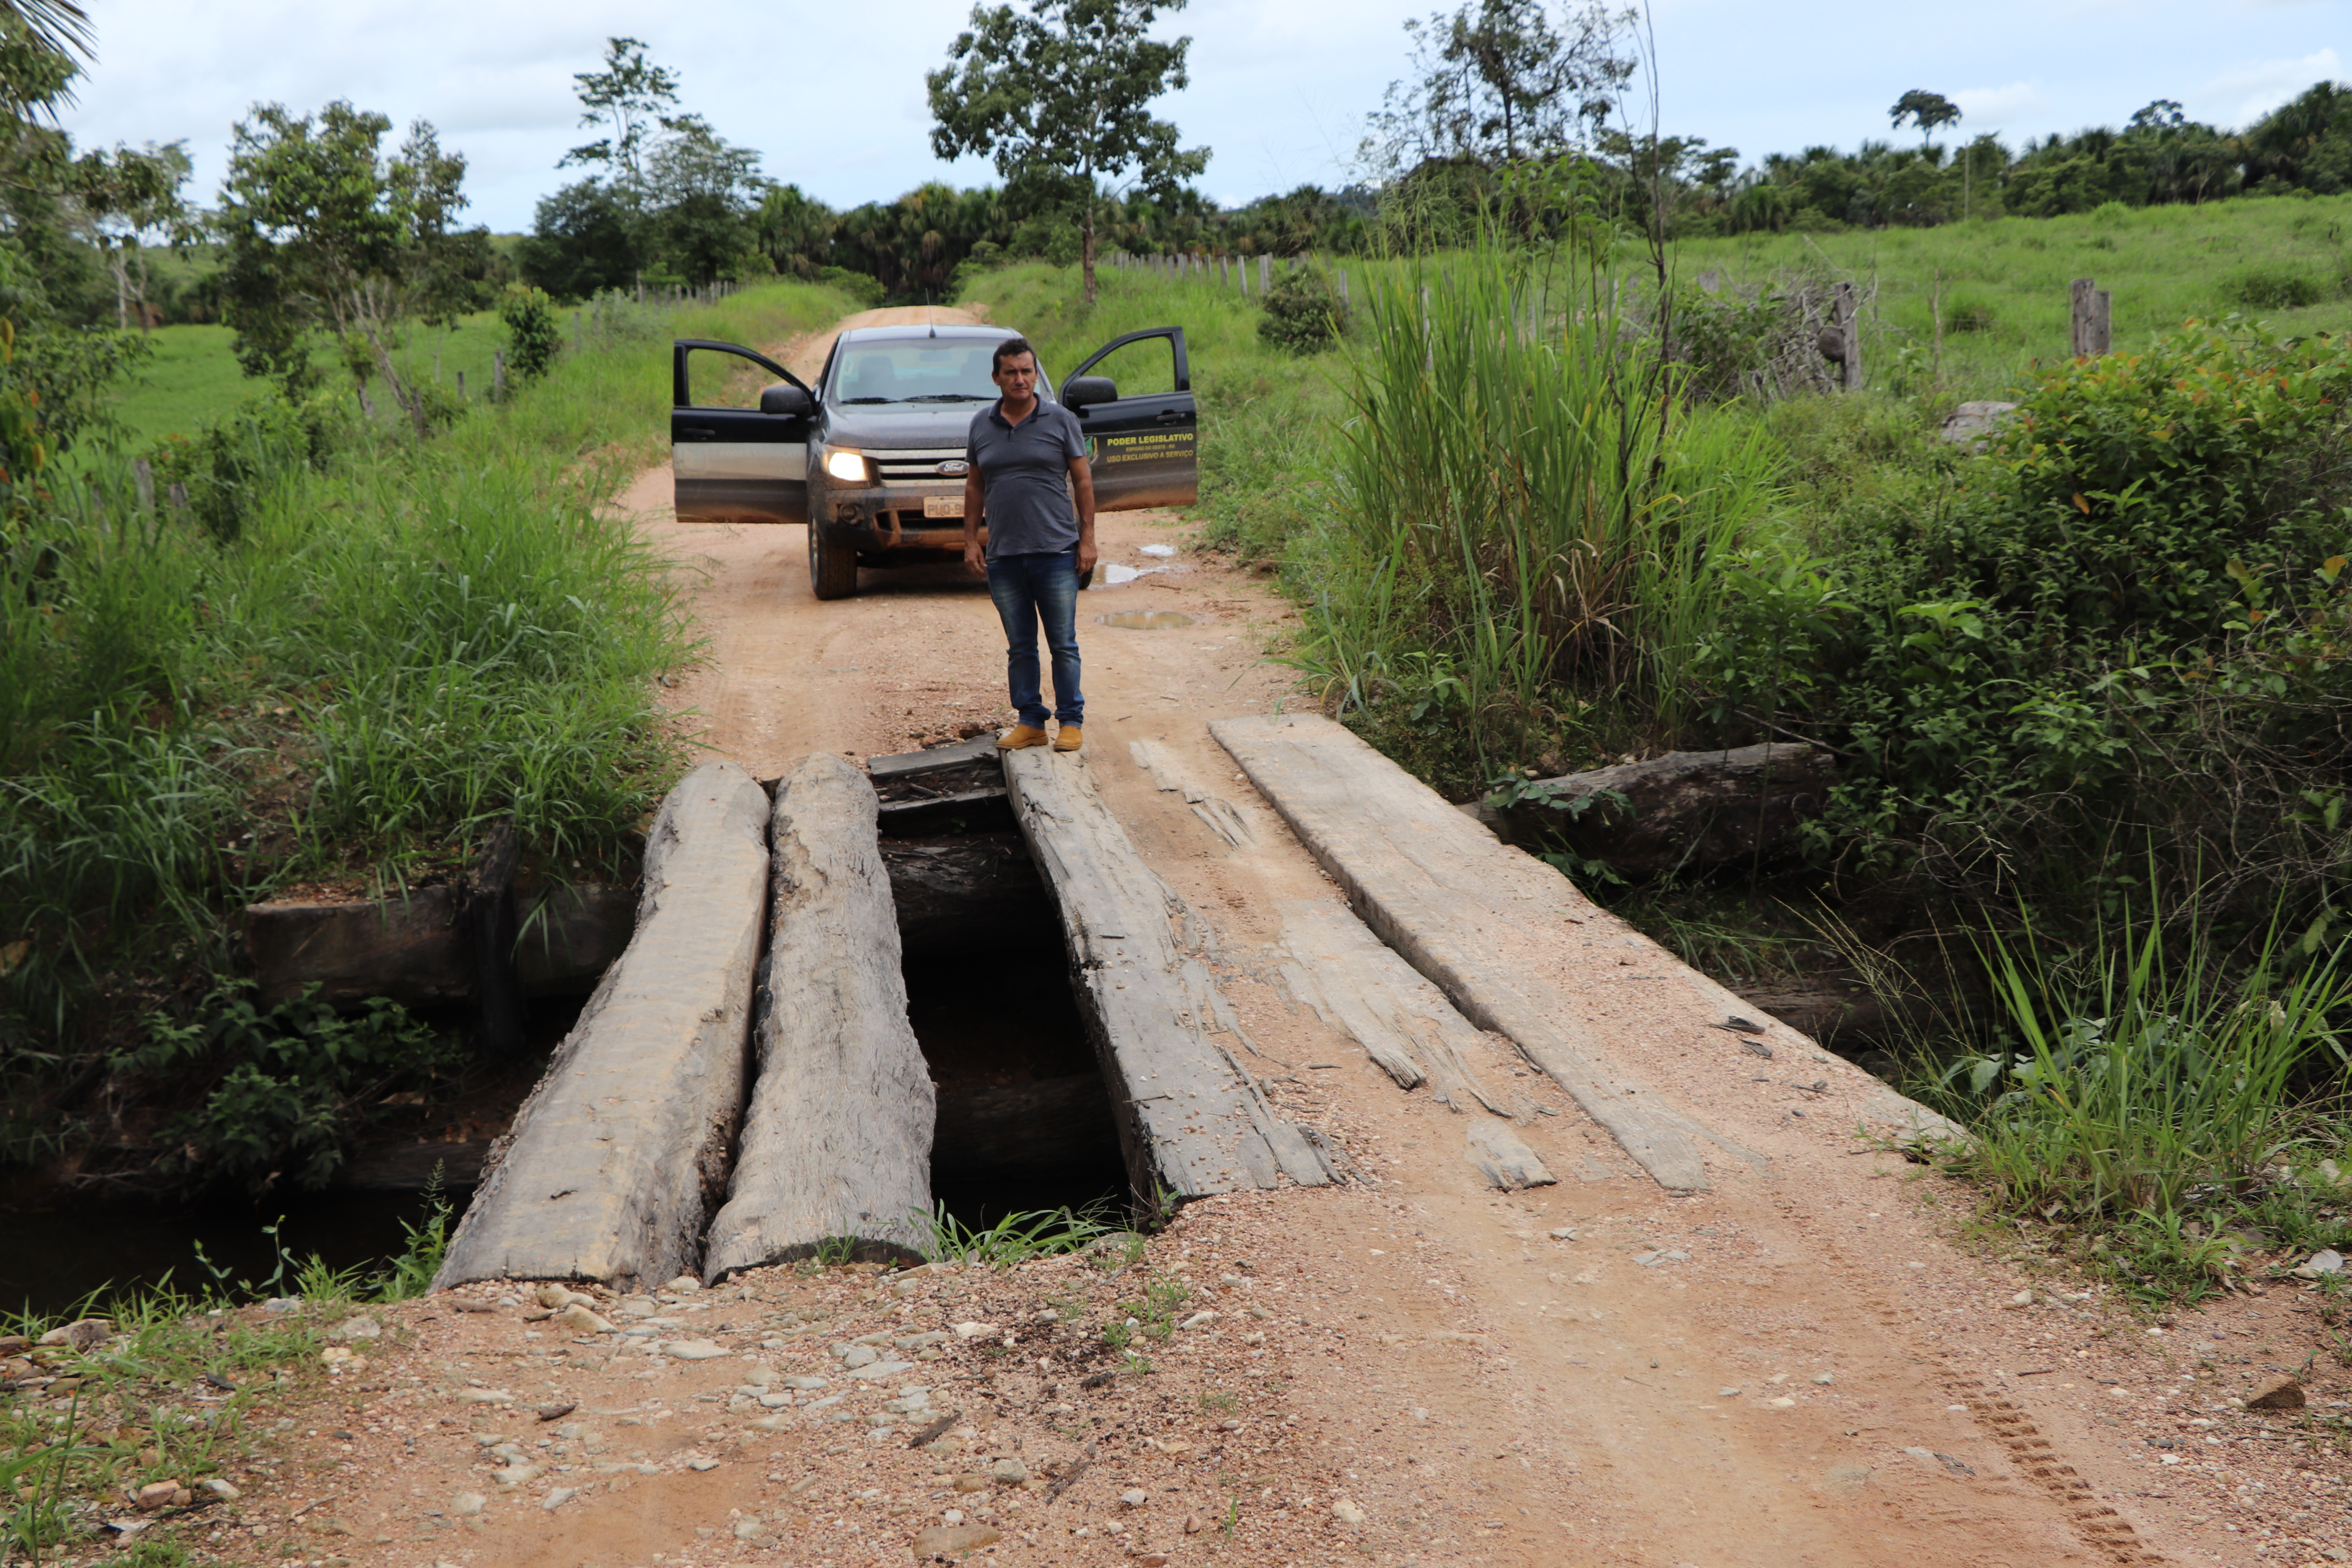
{"x": 1024, "y": 472}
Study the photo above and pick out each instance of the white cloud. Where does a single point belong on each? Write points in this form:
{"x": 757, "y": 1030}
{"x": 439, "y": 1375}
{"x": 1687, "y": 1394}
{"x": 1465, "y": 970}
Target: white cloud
{"x": 1986, "y": 108}
{"x": 2251, "y": 92}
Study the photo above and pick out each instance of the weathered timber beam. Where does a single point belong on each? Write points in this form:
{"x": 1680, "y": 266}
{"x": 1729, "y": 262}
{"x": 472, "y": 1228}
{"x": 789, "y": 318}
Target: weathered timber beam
{"x": 413, "y": 948}
{"x": 838, "y": 1141}
{"x": 1684, "y": 810}
{"x": 614, "y": 1162}
{"x": 1192, "y": 1121}
{"x": 1428, "y": 880}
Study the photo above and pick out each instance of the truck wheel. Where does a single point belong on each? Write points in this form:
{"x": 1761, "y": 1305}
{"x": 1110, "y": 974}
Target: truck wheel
{"x": 833, "y": 565}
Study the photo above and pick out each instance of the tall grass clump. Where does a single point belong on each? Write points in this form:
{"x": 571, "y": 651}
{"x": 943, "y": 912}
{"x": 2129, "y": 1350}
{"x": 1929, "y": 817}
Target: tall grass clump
{"x": 332, "y": 652}
{"x": 2147, "y": 1090}
{"x": 1525, "y": 517}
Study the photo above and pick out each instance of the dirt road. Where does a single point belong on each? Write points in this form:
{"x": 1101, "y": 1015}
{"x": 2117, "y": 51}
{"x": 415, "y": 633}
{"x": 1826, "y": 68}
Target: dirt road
{"x": 1799, "y": 1366}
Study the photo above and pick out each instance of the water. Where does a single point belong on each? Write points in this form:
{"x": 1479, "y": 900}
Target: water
{"x": 55, "y": 1257}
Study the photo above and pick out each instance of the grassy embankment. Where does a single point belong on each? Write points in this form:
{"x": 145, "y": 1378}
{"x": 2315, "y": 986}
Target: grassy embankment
{"x": 356, "y": 652}
{"x": 2053, "y": 703}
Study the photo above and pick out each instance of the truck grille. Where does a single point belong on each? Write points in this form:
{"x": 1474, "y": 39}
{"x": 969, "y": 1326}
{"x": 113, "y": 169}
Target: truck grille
{"x": 907, "y": 468}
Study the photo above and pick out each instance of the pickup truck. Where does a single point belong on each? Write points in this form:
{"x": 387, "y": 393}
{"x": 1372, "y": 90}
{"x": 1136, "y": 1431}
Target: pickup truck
{"x": 872, "y": 457}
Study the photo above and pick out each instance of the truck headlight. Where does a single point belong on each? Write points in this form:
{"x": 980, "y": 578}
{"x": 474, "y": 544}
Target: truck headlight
{"x": 848, "y": 466}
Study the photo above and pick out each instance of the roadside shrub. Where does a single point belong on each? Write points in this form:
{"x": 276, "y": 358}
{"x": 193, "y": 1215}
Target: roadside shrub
{"x": 862, "y": 287}
{"x": 1303, "y": 313}
{"x": 277, "y": 1089}
{"x": 230, "y": 463}
{"x": 534, "y": 338}
{"x": 2276, "y": 288}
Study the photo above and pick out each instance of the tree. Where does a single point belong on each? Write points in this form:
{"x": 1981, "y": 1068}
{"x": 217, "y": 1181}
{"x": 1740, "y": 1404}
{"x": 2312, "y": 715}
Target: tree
{"x": 129, "y": 200}
{"x": 583, "y": 241}
{"x": 1061, "y": 99}
{"x": 1924, "y": 109}
{"x": 325, "y": 234}
{"x": 1502, "y": 82}
{"x": 627, "y": 98}
{"x": 702, "y": 190}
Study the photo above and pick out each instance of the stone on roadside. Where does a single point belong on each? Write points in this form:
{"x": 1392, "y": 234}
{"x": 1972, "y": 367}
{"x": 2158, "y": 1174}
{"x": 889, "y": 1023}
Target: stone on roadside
{"x": 702, "y": 1464}
{"x": 559, "y": 1497}
{"x": 1971, "y": 423}
{"x": 1195, "y": 1524}
{"x": 695, "y": 1349}
{"x": 855, "y": 1356}
{"x": 579, "y": 1319}
{"x": 1008, "y": 1472}
{"x": 155, "y": 1495}
{"x": 2322, "y": 1263}
{"x": 2279, "y": 1393}
{"x": 684, "y": 1285}
{"x": 1346, "y": 1513}
{"x": 484, "y": 1397}
{"x": 750, "y": 1530}
{"x": 970, "y": 1483}
{"x": 466, "y": 1504}
{"x": 1135, "y": 1497}
{"x": 361, "y": 1328}
{"x": 220, "y": 1489}
{"x": 80, "y": 1334}
{"x": 952, "y": 1539}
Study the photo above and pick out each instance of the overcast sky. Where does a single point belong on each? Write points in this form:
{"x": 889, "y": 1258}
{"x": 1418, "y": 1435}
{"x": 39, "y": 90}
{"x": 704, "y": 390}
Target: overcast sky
{"x": 831, "y": 93}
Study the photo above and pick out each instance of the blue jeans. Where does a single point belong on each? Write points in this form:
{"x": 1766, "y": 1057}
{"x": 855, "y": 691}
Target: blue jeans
{"x": 1030, "y": 589}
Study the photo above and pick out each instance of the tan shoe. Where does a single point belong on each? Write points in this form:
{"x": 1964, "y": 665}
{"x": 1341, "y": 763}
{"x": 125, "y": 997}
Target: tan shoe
{"x": 1020, "y": 738}
{"x": 1067, "y": 739}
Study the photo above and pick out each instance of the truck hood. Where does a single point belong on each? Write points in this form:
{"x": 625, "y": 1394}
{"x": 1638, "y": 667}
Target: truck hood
{"x": 879, "y": 428}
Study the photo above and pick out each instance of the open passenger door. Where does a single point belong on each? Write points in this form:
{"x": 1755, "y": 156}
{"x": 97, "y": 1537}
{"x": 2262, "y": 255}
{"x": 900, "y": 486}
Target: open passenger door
{"x": 1144, "y": 449}
{"x": 739, "y": 465}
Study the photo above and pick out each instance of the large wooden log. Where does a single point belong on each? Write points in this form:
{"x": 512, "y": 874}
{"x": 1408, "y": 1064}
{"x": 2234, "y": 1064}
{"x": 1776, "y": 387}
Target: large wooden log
{"x": 615, "y": 1161}
{"x": 1192, "y": 1121}
{"x": 1682, "y": 811}
{"x": 838, "y": 1141}
{"x": 1428, "y": 880}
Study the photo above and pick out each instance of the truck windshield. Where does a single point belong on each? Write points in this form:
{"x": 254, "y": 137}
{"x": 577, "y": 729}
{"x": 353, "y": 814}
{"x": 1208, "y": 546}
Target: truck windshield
{"x": 920, "y": 370}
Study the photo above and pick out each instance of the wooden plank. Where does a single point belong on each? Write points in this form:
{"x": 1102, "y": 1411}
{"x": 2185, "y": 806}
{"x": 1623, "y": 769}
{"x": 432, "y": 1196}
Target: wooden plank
{"x": 967, "y": 811}
{"x": 612, "y": 1165}
{"x": 939, "y": 759}
{"x": 838, "y": 1141}
{"x": 1191, "y": 1119}
{"x": 413, "y": 947}
{"x": 1354, "y": 982}
{"x": 1504, "y": 1159}
{"x": 1427, "y": 879}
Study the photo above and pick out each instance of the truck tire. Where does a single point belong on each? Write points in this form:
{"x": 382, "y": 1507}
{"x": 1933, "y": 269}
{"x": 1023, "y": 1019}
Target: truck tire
{"x": 833, "y": 564}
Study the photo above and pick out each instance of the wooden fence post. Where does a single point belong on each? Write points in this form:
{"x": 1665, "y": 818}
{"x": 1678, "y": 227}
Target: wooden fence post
{"x": 178, "y": 496}
{"x": 1848, "y": 320}
{"x": 498, "y": 375}
{"x": 461, "y": 387}
{"x": 143, "y": 473}
{"x": 1345, "y": 302}
{"x": 1264, "y": 273}
{"x": 2093, "y": 328}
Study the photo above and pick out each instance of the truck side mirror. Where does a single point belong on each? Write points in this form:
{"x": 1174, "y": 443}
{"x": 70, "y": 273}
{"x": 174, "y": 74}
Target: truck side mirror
{"x": 1085, "y": 391}
{"x": 785, "y": 398}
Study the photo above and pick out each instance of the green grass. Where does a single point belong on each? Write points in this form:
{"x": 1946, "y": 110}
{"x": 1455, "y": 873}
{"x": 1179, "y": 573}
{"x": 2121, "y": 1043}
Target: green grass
{"x": 2162, "y": 265}
{"x": 192, "y": 377}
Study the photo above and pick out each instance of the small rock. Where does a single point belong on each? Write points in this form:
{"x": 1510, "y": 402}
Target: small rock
{"x": 918, "y": 1341}
{"x": 155, "y": 1495}
{"x": 515, "y": 1476}
{"x": 1195, "y": 1524}
{"x": 1825, "y": 1379}
{"x": 855, "y": 1356}
{"x": 356, "y": 1329}
{"x": 220, "y": 1489}
{"x": 1727, "y": 1393}
{"x": 466, "y": 1504}
{"x": 950, "y": 1539}
{"x": 578, "y": 1319}
{"x": 1563, "y": 1234}
{"x": 881, "y": 1369}
{"x": 695, "y": 1349}
{"x": 684, "y": 1285}
{"x": 1198, "y": 1320}
{"x": 2022, "y": 1299}
{"x": 2328, "y": 1262}
{"x": 559, "y": 1497}
{"x": 1008, "y": 1472}
{"x": 484, "y": 1397}
{"x": 702, "y": 1464}
{"x": 557, "y": 1412}
{"x": 1135, "y": 1497}
{"x": 750, "y": 1530}
{"x": 80, "y": 1334}
{"x": 973, "y": 1330}
{"x": 2280, "y": 1393}
{"x": 1346, "y": 1513}
{"x": 1782, "y": 1403}
{"x": 802, "y": 1383}
{"x": 970, "y": 1483}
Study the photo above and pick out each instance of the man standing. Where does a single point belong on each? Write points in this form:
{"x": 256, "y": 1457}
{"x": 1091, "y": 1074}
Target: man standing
{"x": 1020, "y": 451}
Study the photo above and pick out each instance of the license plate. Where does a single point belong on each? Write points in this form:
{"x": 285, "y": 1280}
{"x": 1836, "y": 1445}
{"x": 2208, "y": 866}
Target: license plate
{"x": 943, "y": 506}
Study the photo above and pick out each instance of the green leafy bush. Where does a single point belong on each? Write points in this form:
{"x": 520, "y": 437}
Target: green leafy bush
{"x": 2276, "y": 288}
{"x": 229, "y": 464}
{"x": 279, "y": 1088}
{"x": 1303, "y": 313}
{"x": 534, "y": 338}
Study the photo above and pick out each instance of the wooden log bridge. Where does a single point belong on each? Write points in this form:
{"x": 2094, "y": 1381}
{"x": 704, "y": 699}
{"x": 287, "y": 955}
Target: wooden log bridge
{"x": 1191, "y": 1119}
{"x": 838, "y": 1142}
{"x": 1433, "y": 883}
{"x": 614, "y": 1162}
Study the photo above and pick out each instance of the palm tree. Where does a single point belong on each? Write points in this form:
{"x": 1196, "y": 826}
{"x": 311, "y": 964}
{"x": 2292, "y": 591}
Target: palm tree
{"x": 58, "y": 26}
